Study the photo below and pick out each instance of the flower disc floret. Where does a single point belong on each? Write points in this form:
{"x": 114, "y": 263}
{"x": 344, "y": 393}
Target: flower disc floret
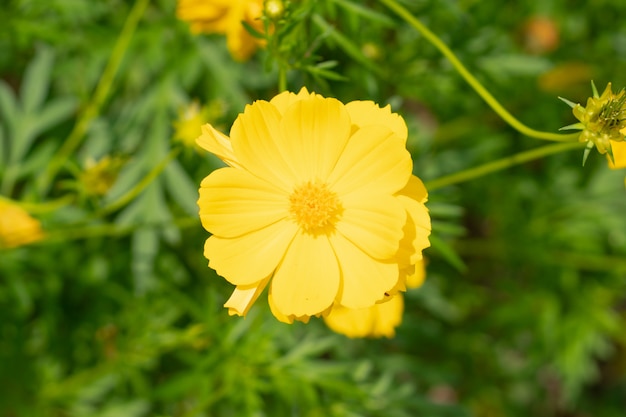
{"x": 314, "y": 206}
{"x": 318, "y": 203}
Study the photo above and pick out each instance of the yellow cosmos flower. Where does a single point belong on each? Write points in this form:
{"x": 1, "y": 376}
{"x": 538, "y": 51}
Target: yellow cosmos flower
{"x": 17, "y": 227}
{"x": 318, "y": 201}
{"x": 602, "y": 120}
{"x": 225, "y": 17}
{"x": 379, "y": 320}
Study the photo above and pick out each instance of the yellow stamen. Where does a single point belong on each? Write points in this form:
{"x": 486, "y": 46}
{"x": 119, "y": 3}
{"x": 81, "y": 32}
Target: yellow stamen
{"x": 314, "y": 207}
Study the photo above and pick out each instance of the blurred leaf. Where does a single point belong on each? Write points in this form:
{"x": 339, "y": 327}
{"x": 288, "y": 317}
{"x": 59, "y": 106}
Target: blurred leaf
{"x": 36, "y": 80}
{"x": 181, "y": 187}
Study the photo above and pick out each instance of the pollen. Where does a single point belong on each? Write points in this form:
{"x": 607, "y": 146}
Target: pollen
{"x": 314, "y": 206}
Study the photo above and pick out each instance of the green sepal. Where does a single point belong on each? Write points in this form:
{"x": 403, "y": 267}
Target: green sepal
{"x": 595, "y": 90}
{"x": 573, "y": 126}
{"x": 588, "y": 149}
{"x": 569, "y": 103}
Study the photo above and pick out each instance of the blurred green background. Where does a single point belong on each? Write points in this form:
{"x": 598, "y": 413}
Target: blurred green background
{"x": 116, "y": 313}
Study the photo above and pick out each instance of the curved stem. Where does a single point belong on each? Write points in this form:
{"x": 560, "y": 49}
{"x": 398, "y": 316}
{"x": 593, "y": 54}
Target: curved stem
{"x": 501, "y": 164}
{"x": 92, "y": 109}
{"x": 471, "y": 80}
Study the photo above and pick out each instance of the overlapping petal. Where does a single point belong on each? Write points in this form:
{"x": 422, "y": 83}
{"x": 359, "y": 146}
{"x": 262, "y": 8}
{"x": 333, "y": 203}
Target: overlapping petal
{"x": 243, "y": 297}
{"x": 285, "y": 99}
{"x": 218, "y": 144}
{"x": 257, "y": 143}
{"x": 364, "y": 280}
{"x": 315, "y": 131}
{"x": 308, "y": 279}
{"x": 412, "y": 198}
{"x": 373, "y": 223}
{"x": 366, "y": 113}
{"x": 234, "y": 202}
{"x": 374, "y": 159}
{"x": 249, "y": 258}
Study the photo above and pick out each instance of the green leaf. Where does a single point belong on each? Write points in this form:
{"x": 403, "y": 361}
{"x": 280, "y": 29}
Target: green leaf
{"x": 448, "y": 253}
{"x": 252, "y": 31}
{"x": 8, "y": 107}
{"x": 183, "y": 190}
{"x": 36, "y": 80}
{"x": 55, "y": 112}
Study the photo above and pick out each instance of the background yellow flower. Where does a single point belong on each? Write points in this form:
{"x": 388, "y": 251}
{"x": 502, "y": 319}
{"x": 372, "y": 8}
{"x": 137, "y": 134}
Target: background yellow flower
{"x": 379, "y": 320}
{"x": 318, "y": 200}
{"x": 225, "y": 17}
{"x": 17, "y": 227}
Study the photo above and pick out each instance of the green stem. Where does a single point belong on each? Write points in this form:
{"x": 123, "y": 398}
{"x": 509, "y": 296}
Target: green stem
{"x": 282, "y": 78}
{"x": 103, "y": 88}
{"x": 501, "y": 164}
{"x": 109, "y": 230}
{"x": 44, "y": 207}
{"x": 471, "y": 80}
{"x": 141, "y": 185}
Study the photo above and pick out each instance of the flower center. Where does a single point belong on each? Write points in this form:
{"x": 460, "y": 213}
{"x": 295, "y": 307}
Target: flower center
{"x": 314, "y": 206}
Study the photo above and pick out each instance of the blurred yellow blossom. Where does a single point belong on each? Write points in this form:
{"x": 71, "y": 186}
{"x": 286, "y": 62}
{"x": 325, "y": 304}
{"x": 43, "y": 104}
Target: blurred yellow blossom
{"x": 318, "y": 201}
{"x": 99, "y": 176}
{"x": 17, "y": 227}
{"x": 189, "y": 124}
{"x": 225, "y": 17}
{"x": 379, "y": 320}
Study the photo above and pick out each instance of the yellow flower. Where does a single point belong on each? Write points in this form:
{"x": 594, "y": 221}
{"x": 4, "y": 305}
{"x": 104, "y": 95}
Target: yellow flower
{"x": 189, "y": 124}
{"x": 318, "y": 201}
{"x": 98, "y": 177}
{"x": 225, "y": 17}
{"x": 602, "y": 120}
{"x": 17, "y": 227}
{"x": 619, "y": 155}
{"x": 379, "y": 320}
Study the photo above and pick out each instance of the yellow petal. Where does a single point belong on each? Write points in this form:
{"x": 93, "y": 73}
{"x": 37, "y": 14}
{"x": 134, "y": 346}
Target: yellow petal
{"x": 376, "y": 321}
{"x": 418, "y": 226}
{"x": 249, "y": 258}
{"x": 233, "y": 202}
{"x": 189, "y": 10}
{"x": 307, "y": 281}
{"x": 373, "y": 223}
{"x": 619, "y": 155}
{"x": 257, "y": 143}
{"x": 417, "y": 277}
{"x": 243, "y": 297}
{"x": 364, "y": 113}
{"x": 315, "y": 131}
{"x": 374, "y": 158}
{"x": 218, "y": 144}
{"x": 364, "y": 280}
{"x": 240, "y": 43}
{"x": 285, "y": 99}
